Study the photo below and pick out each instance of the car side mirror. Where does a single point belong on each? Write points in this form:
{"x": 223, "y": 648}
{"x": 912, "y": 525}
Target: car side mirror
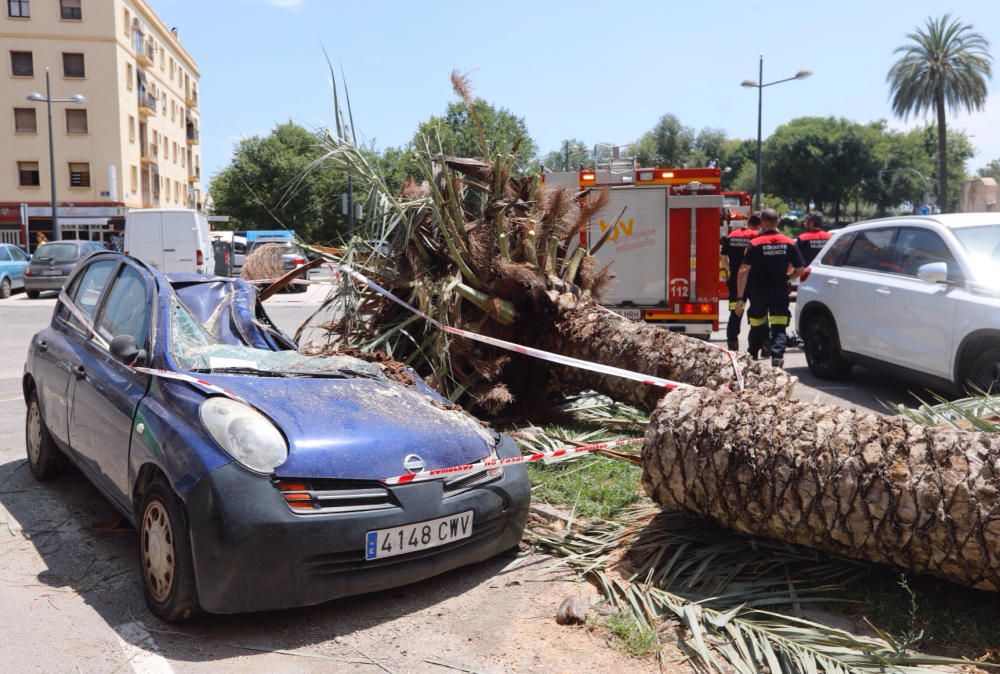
{"x": 933, "y": 272}
{"x": 124, "y": 349}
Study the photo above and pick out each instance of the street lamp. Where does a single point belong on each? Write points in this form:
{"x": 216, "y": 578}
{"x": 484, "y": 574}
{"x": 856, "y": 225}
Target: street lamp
{"x": 759, "y": 85}
{"x": 48, "y": 100}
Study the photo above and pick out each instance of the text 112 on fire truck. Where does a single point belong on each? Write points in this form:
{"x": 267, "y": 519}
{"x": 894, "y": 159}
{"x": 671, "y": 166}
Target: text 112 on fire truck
{"x": 664, "y": 249}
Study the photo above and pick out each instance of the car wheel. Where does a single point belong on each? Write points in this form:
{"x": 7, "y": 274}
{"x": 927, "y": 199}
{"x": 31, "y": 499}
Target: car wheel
{"x": 165, "y": 555}
{"x": 5, "y": 288}
{"x": 821, "y": 343}
{"x": 44, "y": 457}
{"x": 984, "y": 375}
{"x": 33, "y": 294}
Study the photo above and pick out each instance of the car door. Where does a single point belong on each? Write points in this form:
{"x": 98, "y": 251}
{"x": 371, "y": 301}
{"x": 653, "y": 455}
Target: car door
{"x": 180, "y": 243}
{"x": 851, "y": 288}
{"x": 916, "y": 319}
{"x": 55, "y": 348}
{"x": 7, "y": 266}
{"x": 19, "y": 260}
{"x": 106, "y": 392}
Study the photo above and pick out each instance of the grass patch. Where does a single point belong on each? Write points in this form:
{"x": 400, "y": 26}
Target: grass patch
{"x": 598, "y": 487}
{"x": 632, "y": 635}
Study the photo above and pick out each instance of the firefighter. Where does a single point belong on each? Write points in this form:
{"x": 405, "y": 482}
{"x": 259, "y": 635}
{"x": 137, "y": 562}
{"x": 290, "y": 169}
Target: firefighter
{"x": 770, "y": 263}
{"x": 811, "y": 241}
{"x": 734, "y": 247}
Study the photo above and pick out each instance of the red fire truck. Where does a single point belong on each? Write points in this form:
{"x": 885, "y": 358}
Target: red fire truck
{"x": 664, "y": 245}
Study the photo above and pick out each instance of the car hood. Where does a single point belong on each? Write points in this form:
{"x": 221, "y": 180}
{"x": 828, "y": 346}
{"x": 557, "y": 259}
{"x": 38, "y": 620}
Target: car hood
{"x": 360, "y": 429}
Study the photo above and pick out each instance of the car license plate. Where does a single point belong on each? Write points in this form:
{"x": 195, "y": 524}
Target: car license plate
{"x": 631, "y": 314}
{"x": 51, "y": 272}
{"x": 420, "y": 536}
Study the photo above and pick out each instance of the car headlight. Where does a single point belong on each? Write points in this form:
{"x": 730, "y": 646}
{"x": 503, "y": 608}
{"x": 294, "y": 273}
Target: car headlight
{"x": 246, "y": 434}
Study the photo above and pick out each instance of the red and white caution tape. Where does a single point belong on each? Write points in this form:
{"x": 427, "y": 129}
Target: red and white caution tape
{"x": 495, "y": 463}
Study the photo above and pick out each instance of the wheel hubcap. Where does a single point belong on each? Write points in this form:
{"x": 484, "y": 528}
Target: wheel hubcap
{"x": 34, "y": 434}
{"x": 157, "y": 551}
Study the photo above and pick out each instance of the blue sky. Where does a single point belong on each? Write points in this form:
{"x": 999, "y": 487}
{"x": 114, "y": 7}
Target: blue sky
{"x": 602, "y": 72}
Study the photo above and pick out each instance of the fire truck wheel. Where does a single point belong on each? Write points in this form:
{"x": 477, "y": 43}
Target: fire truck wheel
{"x": 821, "y": 342}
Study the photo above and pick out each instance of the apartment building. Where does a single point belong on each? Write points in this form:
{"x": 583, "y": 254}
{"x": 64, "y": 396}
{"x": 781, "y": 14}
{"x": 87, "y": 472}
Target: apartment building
{"x": 133, "y": 143}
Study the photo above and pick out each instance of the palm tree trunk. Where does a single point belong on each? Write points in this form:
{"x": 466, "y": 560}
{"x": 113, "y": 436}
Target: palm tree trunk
{"x": 856, "y": 483}
{"x": 942, "y": 130}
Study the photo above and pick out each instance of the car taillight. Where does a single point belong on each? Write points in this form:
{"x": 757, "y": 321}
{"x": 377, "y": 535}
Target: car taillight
{"x": 298, "y": 260}
{"x": 805, "y": 274}
{"x": 199, "y": 258}
{"x": 27, "y": 271}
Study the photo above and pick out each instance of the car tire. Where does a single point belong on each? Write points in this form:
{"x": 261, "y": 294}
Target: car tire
{"x": 33, "y": 294}
{"x": 5, "y": 289}
{"x": 984, "y": 373}
{"x": 164, "y": 554}
{"x": 821, "y": 343}
{"x": 44, "y": 458}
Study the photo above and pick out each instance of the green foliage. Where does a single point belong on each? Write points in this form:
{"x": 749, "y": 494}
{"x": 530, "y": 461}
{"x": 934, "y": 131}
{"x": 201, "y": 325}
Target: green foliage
{"x": 632, "y": 635}
{"x": 901, "y": 159}
{"x": 959, "y": 151}
{"x": 669, "y": 143}
{"x": 459, "y": 132}
{"x": 277, "y": 180}
{"x": 592, "y": 486}
{"x": 943, "y": 67}
{"x": 991, "y": 170}
{"x": 571, "y": 153}
{"x": 819, "y": 159}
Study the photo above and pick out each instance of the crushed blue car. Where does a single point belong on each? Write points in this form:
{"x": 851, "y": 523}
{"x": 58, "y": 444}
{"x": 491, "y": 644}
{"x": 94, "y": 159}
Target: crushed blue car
{"x": 255, "y": 481}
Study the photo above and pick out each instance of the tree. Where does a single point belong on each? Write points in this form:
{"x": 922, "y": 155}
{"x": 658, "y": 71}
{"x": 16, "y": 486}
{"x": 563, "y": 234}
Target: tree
{"x": 991, "y": 170}
{"x": 571, "y": 153}
{"x": 669, "y": 143}
{"x": 958, "y": 151}
{"x": 903, "y": 169}
{"x": 460, "y": 133}
{"x": 819, "y": 159}
{"x": 944, "y": 65}
{"x": 276, "y": 180}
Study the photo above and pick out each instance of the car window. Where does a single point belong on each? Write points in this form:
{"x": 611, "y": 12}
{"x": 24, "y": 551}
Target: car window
{"x": 17, "y": 254}
{"x": 871, "y": 249}
{"x": 60, "y": 252}
{"x": 87, "y": 292}
{"x": 4, "y": 255}
{"x": 125, "y": 311}
{"x": 835, "y": 255}
{"x": 239, "y": 248}
{"x": 916, "y": 247}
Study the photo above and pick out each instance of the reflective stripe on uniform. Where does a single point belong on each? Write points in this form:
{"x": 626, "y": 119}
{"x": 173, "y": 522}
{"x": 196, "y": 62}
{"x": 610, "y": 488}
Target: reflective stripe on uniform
{"x": 732, "y": 305}
{"x": 757, "y": 322}
{"x": 780, "y": 320}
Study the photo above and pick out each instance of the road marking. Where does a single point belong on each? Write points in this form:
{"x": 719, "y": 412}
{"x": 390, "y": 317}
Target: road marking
{"x": 139, "y": 646}
{"x": 10, "y": 400}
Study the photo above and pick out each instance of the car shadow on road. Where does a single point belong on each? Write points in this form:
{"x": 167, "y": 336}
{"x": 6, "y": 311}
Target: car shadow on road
{"x": 70, "y": 526}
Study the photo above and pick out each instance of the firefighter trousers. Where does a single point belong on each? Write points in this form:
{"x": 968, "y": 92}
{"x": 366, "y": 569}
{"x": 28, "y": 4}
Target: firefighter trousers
{"x": 769, "y": 311}
{"x": 733, "y": 326}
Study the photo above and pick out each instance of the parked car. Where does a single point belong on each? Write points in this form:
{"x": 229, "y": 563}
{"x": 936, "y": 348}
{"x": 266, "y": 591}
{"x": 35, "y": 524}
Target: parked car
{"x": 916, "y": 295}
{"x": 53, "y": 262}
{"x": 170, "y": 239}
{"x": 13, "y": 262}
{"x": 256, "y": 484}
{"x": 291, "y": 257}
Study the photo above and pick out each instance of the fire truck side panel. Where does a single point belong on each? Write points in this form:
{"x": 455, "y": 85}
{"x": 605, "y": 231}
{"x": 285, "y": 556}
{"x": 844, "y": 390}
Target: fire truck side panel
{"x": 637, "y": 247}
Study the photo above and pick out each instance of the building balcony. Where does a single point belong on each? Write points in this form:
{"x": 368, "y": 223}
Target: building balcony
{"x": 149, "y": 154}
{"x": 191, "y": 98}
{"x": 192, "y": 134}
{"x": 144, "y": 50}
{"x": 196, "y": 177}
{"x": 147, "y": 105}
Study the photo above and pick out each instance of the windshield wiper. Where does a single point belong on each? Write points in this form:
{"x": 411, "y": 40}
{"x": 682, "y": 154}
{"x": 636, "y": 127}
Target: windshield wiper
{"x": 241, "y": 370}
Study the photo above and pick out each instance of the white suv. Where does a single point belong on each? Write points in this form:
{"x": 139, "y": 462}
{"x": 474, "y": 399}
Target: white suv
{"x": 917, "y": 295}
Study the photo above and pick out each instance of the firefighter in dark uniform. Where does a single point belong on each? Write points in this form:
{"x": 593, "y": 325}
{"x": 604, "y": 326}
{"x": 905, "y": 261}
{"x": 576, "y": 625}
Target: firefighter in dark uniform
{"x": 771, "y": 262}
{"x": 734, "y": 247}
{"x": 811, "y": 241}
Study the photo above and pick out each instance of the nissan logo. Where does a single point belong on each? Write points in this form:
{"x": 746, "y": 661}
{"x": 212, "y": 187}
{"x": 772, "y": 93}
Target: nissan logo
{"x": 413, "y": 464}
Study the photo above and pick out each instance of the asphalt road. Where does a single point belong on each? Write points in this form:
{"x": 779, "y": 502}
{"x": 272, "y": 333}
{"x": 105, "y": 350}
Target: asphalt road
{"x": 71, "y": 598}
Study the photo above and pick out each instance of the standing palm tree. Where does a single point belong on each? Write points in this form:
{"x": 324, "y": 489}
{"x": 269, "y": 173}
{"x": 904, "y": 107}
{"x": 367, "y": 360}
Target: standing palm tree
{"x": 945, "y": 63}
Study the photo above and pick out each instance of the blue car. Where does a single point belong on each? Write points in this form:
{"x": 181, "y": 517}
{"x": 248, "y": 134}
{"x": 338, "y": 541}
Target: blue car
{"x": 254, "y": 474}
{"x": 13, "y": 261}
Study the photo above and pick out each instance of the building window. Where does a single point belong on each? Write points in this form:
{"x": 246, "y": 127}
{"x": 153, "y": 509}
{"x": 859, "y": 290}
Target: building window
{"x": 129, "y": 76}
{"x": 172, "y": 67}
{"x": 70, "y": 9}
{"x": 134, "y": 179}
{"x": 127, "y": 22}
{"x": 73, "y": 65}
{"x": 131, "y": 129}
{"x": 19, "y": 9}
{"x": 79, "y": 174}
{"x": 177, "y": 191}
{"x": 76, "y": 121}
{"x": 27, "y": 174}
{"x": 24, "y": 120}
{"x": 22, "y": 64}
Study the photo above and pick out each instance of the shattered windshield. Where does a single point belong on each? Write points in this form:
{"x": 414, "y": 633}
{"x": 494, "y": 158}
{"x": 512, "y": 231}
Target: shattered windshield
{"x": 195, "y": 349}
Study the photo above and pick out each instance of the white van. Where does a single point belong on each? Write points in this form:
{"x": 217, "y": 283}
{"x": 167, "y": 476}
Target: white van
{"x": 170, "y": 239}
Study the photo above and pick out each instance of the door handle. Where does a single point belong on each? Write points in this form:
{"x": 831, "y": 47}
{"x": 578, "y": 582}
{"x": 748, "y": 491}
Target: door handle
{"x": 832, "y": 282}
{"x": 883, "y": 291}
{"x": 78, "y": 371}
{"x": 169, "y": 250}
{"x": 43, "y": 346}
